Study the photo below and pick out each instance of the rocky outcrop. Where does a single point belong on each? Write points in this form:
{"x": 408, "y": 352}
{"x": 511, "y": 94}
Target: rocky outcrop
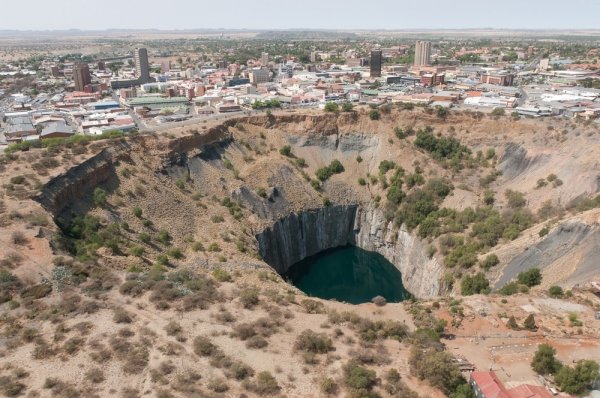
{"x": 571, "y": 250}
{"x": 64, "y": 190}
{"x": 421, "y": 275}
{"x": 297, "y": 236}
{"x": 516, "y": 160}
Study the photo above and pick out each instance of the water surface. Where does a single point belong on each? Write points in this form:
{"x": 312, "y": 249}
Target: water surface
{"x": 348, "y": 274}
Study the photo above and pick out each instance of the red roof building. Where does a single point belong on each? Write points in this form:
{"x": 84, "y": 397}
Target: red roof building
{"x": 529, "y": 391}
{"x": 487, "y": 385}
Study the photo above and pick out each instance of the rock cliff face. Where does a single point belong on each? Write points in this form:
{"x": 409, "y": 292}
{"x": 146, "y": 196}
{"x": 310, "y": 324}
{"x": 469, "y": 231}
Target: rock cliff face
{"x": 298, "y": 236}
{"x": 302, "y": 235}
{"x": 64, "y": 190}
{"x": 421, "y": 275}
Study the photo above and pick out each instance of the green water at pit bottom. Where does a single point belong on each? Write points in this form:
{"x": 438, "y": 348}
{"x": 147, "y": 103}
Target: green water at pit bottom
{"x": 348, "y": 274}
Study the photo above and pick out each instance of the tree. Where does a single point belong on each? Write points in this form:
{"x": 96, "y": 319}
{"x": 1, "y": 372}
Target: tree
{"x": 437, "y": 367}
{"x": 374, "y": 114}
{"x": 347, "y": 107}
{"x": 331, "y": 107}
{"x": 530, "y": 278}
{"x": 463, "y": 391}
{"x": 544, "y": 361}
{"x": 579, "y": 379}
{"x": 529, "y": 323}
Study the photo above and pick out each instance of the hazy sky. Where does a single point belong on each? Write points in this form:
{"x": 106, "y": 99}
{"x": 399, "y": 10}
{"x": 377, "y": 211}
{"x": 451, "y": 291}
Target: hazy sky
{"x": 282, "y": 14}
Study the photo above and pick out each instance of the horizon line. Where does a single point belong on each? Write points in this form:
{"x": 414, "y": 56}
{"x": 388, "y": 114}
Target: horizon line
{"x": 578, "y": 29}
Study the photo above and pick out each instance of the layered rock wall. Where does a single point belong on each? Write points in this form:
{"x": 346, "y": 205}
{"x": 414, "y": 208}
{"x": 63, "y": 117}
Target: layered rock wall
{"x": 298, "y": 236}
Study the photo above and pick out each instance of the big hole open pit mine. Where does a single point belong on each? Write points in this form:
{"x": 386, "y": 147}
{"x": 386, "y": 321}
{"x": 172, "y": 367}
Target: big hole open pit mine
{"x": 299, "y": 254}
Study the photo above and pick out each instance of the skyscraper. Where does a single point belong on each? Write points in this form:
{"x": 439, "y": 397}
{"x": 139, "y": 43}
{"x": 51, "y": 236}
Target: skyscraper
{"x": 422, "y": 53}
{"x": 142, "y": 68}
{"x": 376, "y": 58}
{"x": 82, "y": 77}
{"x": 264, "y": 59}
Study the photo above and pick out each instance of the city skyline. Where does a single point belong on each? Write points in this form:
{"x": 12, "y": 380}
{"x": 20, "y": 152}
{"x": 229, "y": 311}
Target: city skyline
{"x": 310, "y": 14}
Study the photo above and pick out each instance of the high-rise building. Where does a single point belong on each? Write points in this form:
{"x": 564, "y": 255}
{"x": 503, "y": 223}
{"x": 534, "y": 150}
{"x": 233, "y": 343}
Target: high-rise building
{"x": 82, "y": 77}
{"x": 165, "y": 66}
{"x": 314, "y": 56}
{"x": 142, "y": 68}
{"x": 264, "y": 59}
{"x": 376, "y": 61}
{"x": 422, "y": 53}
{"x": 258, "y": 76}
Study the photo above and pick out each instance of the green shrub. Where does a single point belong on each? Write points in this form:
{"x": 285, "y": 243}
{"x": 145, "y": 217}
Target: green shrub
{"x": 180, "y": 184}
{"x": 477, "y": 284}
{"x": 442, "y": 148}
{"x": 144, "y": 238}
{"x": 328, "y": 386}
{"x": 578, "y": 380}
{"x": 498, "y": 112}
{"x": 264, "y": 384}
{"x": 400, "y": 134}
{"x": 347, "y": 107}
{"x": 530, "y": 277}
{"x": 175, "y": 253}
{"x": 214, "y": 247}
{"x": 335, "y": 167}
{"x": 509, "y": 289}
{"x": 164, "y": 237}
{"x": 221, "y": 275}
{"x": 316, "y": 343}
{"x": 490, "y": 261}
{"x": 286, "y": 150}
{"x": 515, "y": 199}
{"x": 300, "y": 162}
{"x": 357, "y": 377}
{"x": 249, "y": 297}
{"x": 331, "y": 107}
{"x": 313, "y": 306}
{"x": 137, "y": 211}
{"x": 204, "y": 347}
{"x": 17, "y": 180}
{"x": 100, "y": 197}
{"x": 555, "y": 291}
{"x": 374, "y": 115}
{"x": 137, "y": 251}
